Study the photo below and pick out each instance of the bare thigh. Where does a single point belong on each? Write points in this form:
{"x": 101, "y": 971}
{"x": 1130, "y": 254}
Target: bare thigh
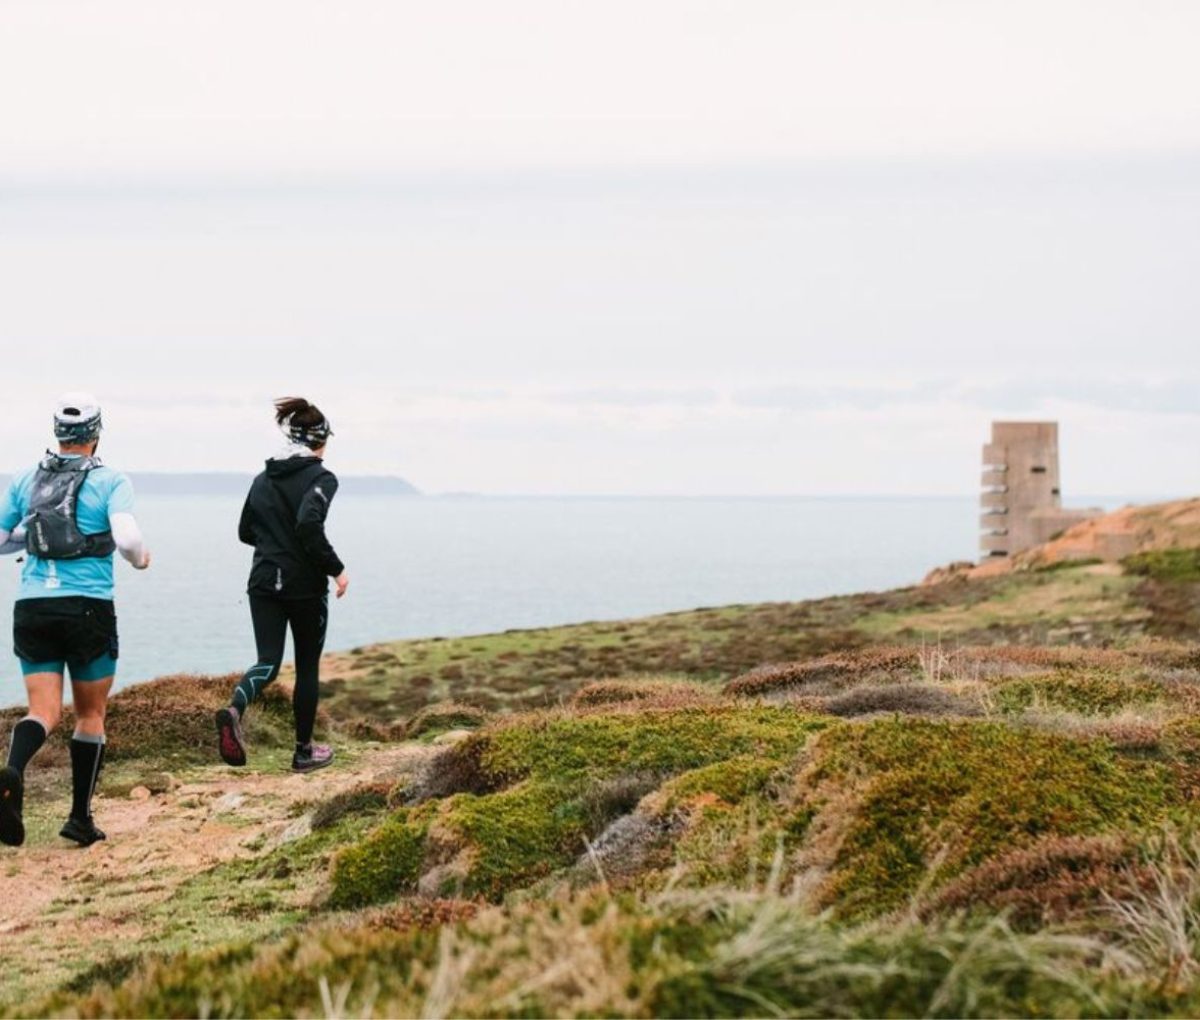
{"x": 91, "y": 702}
{"x": 45, "y": 692}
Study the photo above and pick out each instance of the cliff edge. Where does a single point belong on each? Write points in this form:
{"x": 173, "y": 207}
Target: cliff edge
{"x": 1110, "y": 538}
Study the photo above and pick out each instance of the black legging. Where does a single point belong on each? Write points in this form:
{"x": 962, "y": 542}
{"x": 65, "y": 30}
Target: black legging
{"x": 271, "y": 618}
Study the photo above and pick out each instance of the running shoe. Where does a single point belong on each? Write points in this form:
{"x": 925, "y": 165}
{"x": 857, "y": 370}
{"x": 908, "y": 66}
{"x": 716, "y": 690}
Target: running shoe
{"x": 229, "y": 737}
{"x": 82, "y": 830}
{"x": 12, "y": 796}
{"x": 311, "y": 758}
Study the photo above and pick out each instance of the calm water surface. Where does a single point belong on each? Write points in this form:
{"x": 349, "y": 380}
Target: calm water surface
{"x": 442, "y": 566}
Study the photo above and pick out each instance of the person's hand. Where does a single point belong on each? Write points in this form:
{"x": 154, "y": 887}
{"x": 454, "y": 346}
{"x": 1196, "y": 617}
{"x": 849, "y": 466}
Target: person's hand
{"x": 342, "y": 582}
{"x": 145, "y": 560}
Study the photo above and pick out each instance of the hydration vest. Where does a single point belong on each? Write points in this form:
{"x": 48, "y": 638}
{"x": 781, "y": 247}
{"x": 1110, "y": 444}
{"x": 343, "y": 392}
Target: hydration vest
{"x": 51, "y": 531}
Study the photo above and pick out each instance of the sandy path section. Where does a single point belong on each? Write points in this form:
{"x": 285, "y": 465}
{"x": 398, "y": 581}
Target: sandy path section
{"x": 62, "y": 907}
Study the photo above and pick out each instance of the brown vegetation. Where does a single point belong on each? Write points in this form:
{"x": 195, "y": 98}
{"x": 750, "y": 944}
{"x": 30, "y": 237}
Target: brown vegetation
{"x": 905, "y": 699}
{"x": 171, "y": 720}
{"x": 830, "y": 672}
{"x": 1058, "y": 879}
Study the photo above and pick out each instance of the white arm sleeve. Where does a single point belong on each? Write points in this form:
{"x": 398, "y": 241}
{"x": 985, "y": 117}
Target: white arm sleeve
{"x": 128, "y": 537}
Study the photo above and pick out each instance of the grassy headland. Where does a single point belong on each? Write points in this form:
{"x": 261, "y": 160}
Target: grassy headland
{"x": 971, "y": 798}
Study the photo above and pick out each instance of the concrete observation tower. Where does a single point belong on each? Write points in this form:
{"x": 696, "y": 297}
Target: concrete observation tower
{"x": 1022, "y": 497}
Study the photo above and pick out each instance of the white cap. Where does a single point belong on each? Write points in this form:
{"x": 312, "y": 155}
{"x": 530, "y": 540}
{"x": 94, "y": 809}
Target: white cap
{"x": 76, "y": 407}
{"x": 76, "y": 416}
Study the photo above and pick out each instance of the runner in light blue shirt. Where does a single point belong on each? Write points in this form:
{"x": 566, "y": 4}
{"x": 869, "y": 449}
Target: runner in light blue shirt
{"x": 70, "y": 513}
{"x": 104, "y": 493}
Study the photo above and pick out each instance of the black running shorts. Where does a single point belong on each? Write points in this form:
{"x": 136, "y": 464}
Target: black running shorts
{"x": 73, "y": 631}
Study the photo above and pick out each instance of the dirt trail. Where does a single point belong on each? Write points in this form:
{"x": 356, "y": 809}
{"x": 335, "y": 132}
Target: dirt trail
{"x": 62, "y": 906}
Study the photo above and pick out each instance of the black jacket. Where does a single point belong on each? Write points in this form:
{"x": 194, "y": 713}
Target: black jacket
{"x": 284, "y": 519}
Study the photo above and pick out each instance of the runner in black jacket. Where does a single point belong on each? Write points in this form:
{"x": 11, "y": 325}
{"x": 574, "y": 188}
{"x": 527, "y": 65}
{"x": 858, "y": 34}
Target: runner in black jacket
{"x": 284, "y": 519}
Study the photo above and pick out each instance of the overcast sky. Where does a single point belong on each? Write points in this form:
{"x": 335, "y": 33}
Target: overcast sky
{"x": 647, "y": 247}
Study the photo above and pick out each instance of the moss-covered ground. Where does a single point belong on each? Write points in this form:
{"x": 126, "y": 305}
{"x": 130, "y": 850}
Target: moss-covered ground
{"x": 384, "y": 685}
{"x": 972, "y": 799}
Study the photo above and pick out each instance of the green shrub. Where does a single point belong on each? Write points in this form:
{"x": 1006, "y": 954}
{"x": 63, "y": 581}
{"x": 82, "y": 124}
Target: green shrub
{"x": 1165, "y": 564}
{"x": 528, "y": 793}
{"x": 918, "y": 802}
{"x": 729, "y": 843}
{"x": 557, "y": 747}
{"x": 732, "y": 781}
{"x": 383, "y": 865}
{"x": 1095, "y": 692}
{"x": 1068, "y": 564}
{"x": 524, "y": 833}
{"x": 517, "y": 835}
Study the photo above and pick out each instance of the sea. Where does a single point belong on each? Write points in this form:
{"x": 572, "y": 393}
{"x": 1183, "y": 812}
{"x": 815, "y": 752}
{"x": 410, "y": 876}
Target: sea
{"x": 423, "y": 566}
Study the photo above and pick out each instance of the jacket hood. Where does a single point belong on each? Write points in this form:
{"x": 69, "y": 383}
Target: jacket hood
{"x": 292, "y": 466}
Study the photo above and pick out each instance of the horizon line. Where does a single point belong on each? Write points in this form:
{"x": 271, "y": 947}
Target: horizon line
{"x": 1083, "y": 500}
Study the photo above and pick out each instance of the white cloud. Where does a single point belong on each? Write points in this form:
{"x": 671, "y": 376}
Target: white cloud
{"x": 678, "y": 246}
{"x": 281, "y": 88}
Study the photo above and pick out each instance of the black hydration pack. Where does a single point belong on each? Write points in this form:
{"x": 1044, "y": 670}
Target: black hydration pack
{"x": 51, "y": 531}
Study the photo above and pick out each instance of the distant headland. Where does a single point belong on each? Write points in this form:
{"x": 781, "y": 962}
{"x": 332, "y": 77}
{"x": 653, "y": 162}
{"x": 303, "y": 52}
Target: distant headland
{"x": 234, "y": 483}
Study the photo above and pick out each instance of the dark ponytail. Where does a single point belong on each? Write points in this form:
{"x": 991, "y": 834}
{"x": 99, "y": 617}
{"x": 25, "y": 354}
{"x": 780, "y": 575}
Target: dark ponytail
{"x": 303, "y": 422}
{"x": 297, "y": 411}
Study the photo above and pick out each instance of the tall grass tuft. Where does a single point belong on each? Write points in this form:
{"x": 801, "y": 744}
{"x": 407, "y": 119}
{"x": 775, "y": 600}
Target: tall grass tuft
{"x": 1159, "y": 924}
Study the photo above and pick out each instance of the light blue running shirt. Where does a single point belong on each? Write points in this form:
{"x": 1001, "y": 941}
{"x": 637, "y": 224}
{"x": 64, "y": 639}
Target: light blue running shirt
{"x": 104, "y": 492}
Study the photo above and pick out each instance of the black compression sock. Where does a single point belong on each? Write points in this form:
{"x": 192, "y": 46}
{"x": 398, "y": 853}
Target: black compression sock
{"x": 27, "y": 737}
{"x": 251, "y": 685}
{"x": 86, "y": 753}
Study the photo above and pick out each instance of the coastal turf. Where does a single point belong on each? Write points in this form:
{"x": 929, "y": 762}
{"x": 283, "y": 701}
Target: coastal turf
{"x": 976, "y": 798}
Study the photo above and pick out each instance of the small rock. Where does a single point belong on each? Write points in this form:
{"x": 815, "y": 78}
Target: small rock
{"x": 140, "y": 793}
{"x": 298, "y": 829}
{"x": 451, "y": 737}
{"x": 229, "y": 802}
